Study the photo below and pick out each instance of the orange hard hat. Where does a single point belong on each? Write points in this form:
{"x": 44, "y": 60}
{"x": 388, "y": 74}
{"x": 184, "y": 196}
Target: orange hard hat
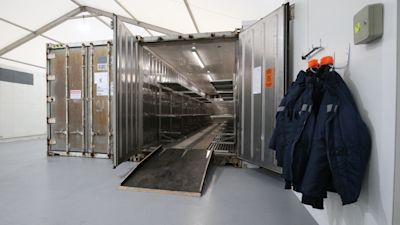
{"x": 326, "y": 60}
{"x": 313, "y": 63}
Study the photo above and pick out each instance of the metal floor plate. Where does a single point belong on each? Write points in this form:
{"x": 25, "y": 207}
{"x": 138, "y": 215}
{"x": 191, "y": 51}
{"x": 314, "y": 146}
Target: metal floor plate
{"x": 171, "y": 171}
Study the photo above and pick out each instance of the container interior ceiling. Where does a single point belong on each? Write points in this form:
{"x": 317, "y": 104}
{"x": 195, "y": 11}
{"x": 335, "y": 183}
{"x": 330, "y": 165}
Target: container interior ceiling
{"x": 218, "y": 56}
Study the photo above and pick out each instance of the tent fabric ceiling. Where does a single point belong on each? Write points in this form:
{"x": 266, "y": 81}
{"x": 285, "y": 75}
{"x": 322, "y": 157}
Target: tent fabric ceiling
{"x": 210, "y": 16}
{"x": 89, "y": 29}
{"x": 10, "y": 33}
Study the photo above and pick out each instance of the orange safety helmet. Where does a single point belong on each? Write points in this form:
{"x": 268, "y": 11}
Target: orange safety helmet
{"x": 313, "y": 63}
{"x": 326, "y": 60}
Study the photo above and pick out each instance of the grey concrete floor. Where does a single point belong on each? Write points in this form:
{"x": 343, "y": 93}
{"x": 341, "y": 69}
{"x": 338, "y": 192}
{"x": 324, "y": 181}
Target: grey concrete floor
{"x": 40, "y": 190}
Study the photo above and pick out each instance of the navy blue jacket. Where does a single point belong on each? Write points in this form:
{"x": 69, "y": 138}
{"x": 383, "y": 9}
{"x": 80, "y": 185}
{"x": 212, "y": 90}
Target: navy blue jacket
{"x": 279, "y": 139}
{"x": 348, "y": 141}
{"x": 317, "y": 175}
{"x": 320, "y": 139}
{"x": 294, "y": 125}
{"x": 340, "y": 148}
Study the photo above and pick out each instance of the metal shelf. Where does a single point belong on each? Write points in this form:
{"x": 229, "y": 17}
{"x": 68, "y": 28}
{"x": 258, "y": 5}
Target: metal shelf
{"x": 175, "y": 86}
{"x": 191, "y": 94}
{"x": 225, "y": 141}
{"x": 222, "y": 117}
{"x": 221, "y": 85}
{"x": 182, "y": 111}
{"x": 181, "y": 115}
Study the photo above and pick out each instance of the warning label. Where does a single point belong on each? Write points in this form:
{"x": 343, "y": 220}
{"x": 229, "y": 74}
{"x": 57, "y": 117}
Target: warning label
{"x": 75, "y": 94}
{"x": 269, "y": 78}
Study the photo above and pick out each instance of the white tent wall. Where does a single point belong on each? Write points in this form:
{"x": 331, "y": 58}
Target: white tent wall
{"x": 22, "y": 106}
{"x": 396, "y": 205}
{"x": 371, "y": 76}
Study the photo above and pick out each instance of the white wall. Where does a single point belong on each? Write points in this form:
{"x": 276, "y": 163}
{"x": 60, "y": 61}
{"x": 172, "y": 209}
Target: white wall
{"x": 396, "y": 205}
{"x": 22, "y": 107}
{"x": 371, "y": 76}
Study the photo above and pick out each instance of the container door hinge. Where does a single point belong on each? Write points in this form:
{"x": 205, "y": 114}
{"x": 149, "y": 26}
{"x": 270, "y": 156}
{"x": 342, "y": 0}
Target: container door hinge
{"x": 291, "y": 12}
{"x": 63, "y": 132}
{"x": 51, "y": 120}
{"x": 51, "y": 141}
{"x": 51, "y": 56}
{"x": 76, "y": 132}
{"x": 51, "y": 77}
{"x": 51, "y": 99}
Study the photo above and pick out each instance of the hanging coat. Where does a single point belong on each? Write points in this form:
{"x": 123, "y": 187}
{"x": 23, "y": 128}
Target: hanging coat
{"x": 280, "y": 136}
{"x": 348, "y": 141}
{"x": 317, "y": 174}
{"x": 288, "y": 138}
{"x": 340, "y": 148}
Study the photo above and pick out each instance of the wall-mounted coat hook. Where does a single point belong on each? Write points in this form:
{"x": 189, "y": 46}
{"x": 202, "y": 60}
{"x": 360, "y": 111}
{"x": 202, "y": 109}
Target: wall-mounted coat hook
{"x": 347, "y": 59}
{"x": 313, "y": 51}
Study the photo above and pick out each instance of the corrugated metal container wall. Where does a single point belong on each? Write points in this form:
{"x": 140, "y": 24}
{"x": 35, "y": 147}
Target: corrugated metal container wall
{"x": 262, "y": 79}
{"x": 150, "y": 73}
{"x": 125, "y": 54}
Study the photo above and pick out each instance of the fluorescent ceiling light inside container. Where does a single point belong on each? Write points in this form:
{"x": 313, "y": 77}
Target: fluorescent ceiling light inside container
{"x": 209, "y": 76}
{"x": 197, "y": 57}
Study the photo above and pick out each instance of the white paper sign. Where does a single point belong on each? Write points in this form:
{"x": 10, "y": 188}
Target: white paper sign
{"x": 101, "y": 81}
{"x": 75, "y": 94}
{"x": 256, "y": 81}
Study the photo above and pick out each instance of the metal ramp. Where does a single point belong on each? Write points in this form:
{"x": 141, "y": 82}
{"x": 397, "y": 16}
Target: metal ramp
{"x": 180, "y": 169}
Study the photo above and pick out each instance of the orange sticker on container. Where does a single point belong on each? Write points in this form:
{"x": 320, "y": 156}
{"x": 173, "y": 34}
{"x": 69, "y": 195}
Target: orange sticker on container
{"x": 269, "y": 78}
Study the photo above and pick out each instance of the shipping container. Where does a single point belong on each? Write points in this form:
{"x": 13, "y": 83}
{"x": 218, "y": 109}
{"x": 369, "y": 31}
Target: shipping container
{"x": 128, "y": 96}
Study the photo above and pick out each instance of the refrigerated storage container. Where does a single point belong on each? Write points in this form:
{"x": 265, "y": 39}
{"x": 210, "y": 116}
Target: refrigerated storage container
{"x": 150, "y": 100}
{"x": 78, "y": 99}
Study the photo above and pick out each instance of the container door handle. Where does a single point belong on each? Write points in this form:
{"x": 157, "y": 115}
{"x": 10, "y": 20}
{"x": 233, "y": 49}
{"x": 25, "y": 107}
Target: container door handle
{"x": 98, "y": 133}
{"x": 77, "y": 132}
{"x": 63, "y": 132}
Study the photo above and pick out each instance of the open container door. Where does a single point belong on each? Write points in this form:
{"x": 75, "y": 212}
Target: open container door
{"x": 262, "y": 81}
{"x": 124, "y": 93}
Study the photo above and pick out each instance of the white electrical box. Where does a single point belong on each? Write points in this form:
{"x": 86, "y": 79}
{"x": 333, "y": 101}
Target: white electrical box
{"x": 368, "y": 24}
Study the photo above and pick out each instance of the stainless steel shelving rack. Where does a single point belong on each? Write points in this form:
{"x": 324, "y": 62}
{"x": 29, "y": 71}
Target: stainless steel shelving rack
{"x": 224, "y": 89}
{"x": 181, "y": 112}
{"x": 225, "y": 140}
